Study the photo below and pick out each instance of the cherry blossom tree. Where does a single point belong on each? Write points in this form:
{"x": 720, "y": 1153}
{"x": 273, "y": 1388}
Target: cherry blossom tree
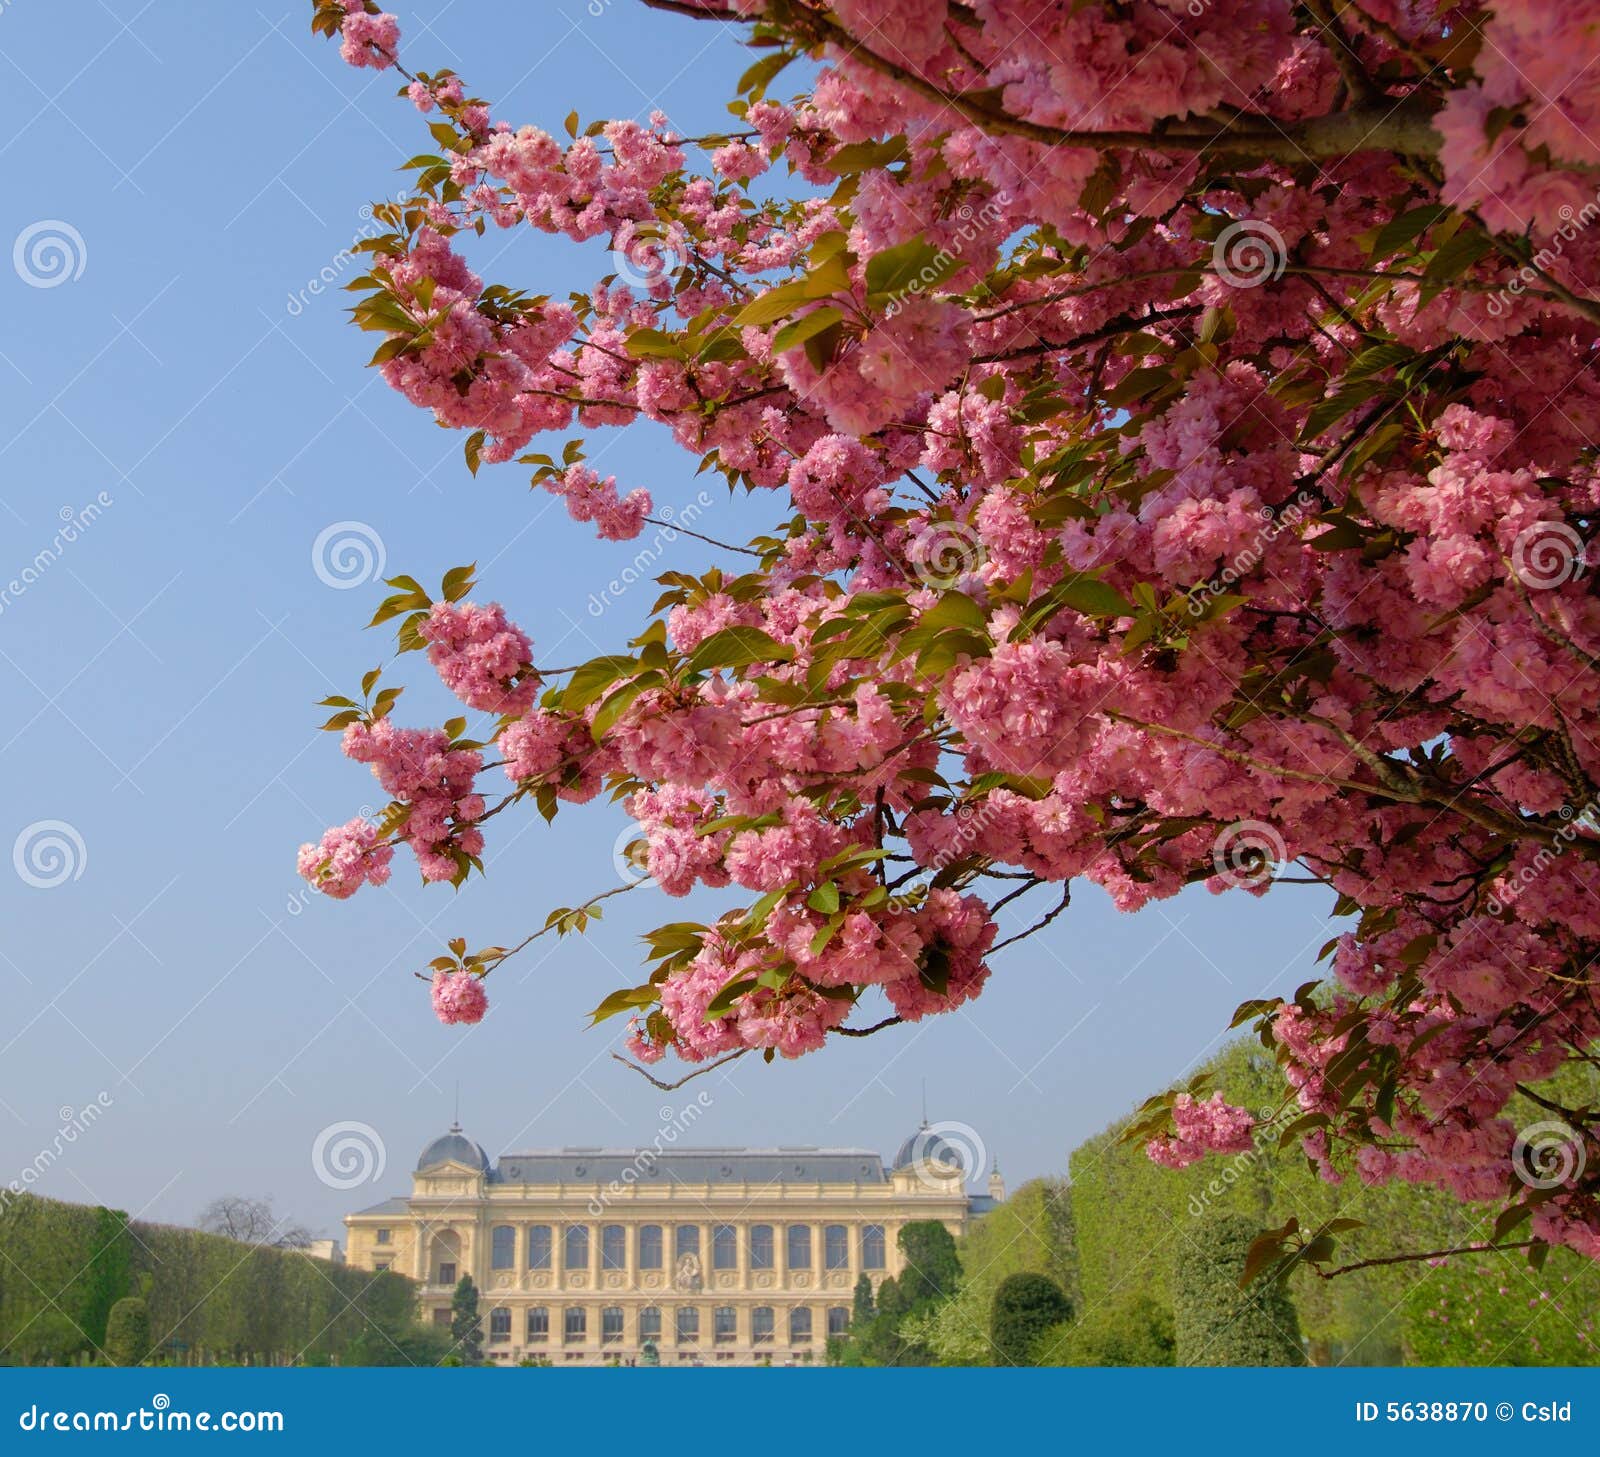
{"x": 1179, "y": 421}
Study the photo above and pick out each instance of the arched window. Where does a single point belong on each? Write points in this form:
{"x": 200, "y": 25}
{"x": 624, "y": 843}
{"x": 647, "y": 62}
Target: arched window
{"x": 835, "y": 1247}
{"x": 724, "y": 1325}
{"x": 576, "y": 1254}
{"x": 575, "y": 1325}
{"x": 761, "y": 1325}
{"x": 799, "y": 1326}
{"x": 872, "y": 1247}
{"x": 838, "y": 1319}
{"x": 610, "y": 1325}
{"x": 686, "y": 1241}
{"x": 649, "y": 1246}
{"x": 539, "y": 1246}
{"x": 799, "y": 1249}
{"x": 760, "y": 1246}
{"x": 724, "y": 1247}
{"x": 650, "y": 1324}
{"x": 502, "y": 1247}
{"x": 499, "y": 1324}
{"x": 539, "y": 1323}
{"x": 613, "y": 1247}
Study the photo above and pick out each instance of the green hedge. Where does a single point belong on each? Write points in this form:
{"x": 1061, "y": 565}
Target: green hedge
{"x": 1215, "y": 1323}
{"x": 63, "y": 1267}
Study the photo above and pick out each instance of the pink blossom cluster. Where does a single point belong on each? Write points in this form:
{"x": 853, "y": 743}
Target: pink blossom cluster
{"x": 1205, "y": 1127}
{"x": 347, "y": 857}
{"x": 458, "y": 996}
{"x": 485, "y": 660}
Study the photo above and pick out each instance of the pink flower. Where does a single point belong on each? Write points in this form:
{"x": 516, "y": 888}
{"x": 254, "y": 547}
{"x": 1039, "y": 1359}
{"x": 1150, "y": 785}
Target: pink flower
{"x": 458, "y": 996}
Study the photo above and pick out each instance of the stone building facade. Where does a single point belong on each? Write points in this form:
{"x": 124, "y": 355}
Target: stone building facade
{"x": 692, "y": 1256}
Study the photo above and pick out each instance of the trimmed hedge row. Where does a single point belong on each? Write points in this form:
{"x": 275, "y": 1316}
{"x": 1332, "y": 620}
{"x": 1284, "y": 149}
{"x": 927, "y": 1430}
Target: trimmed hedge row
{"x": 64, "y": 1266}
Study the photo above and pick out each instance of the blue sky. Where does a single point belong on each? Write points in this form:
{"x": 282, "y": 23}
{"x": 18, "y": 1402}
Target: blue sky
{"x": 159, "y": 672}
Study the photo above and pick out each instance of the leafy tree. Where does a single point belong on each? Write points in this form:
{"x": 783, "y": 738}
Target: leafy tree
{"x": 1133, "y": 1332}
{"x": 1251, "y": 501}
{"x": 932, "y": 1266}
{"x": 466, "y": 1328}
{"x": 1026, "y": 1306}
{"x": 1215, "y": 1322}
{"x": 862, "y": 1305}
{"x": 411, "y": 1344}
{"x": 128, "y": 1332}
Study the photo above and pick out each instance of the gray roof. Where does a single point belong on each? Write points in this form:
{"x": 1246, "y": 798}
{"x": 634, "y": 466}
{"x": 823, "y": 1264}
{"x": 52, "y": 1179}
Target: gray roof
{"x": 456, "y": 1147}
{"x": 928, "y": 1145}
{"x": 981, "y": 1203}
{"x": 690, "y": 1166}
{"x": 389, "y": 1206}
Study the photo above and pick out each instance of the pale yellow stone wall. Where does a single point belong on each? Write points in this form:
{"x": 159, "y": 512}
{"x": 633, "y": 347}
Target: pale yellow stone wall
{"x": 447, "y": 1232}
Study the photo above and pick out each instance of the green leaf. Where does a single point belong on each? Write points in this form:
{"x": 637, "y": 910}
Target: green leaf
{"x": 623, "y": 1001}
{"x": 916, "y": 262}
{"x": 808, "y": 327}
{"x": 776, "y": 303}
{"x": 824, "y": 898}
{"x": 738, "y": 647}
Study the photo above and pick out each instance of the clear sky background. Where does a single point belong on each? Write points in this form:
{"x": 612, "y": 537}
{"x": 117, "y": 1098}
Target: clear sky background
{"x": 159, "y": 676}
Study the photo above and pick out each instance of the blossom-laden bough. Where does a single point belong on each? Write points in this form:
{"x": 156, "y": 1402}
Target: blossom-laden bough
{"x": 1180, "y": 422}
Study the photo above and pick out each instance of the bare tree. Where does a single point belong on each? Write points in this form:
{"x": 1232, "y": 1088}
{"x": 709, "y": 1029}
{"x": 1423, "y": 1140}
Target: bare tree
{"x": 252, "y": 1222}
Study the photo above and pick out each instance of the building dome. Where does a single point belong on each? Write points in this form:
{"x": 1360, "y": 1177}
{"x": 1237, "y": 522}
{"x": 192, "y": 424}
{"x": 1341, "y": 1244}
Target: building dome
{"x": 930, "y": 1146}
{"x": 455, "y": 1147}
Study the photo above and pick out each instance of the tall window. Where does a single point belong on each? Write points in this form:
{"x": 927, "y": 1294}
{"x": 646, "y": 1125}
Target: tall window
{"x": 688, "y": 1324}
{"x": 685, "y": 1241}
{"x": 799, "y": 1326}
{"x": 576, "y": 1323}
{"x": 872, "y": 1247}
{"x": 539, "y": 1323}
{"x": 613, "y": 1248}
{"x": 649, "y": 1246}
{"x": 610, "y": 1325}
{"x": 836, "y": 1247}
{"x": 724, "y": 1247}
{"x": 838, "y": 1319}
{"x": 760, "y": 1246}
{"x": 502, "y": 1247}
{"x": 538, "y": 1246}
{"x": 499, "y": 1324}
{"x": 724, "y": 1325}
{"x": 576, "y": 1253}
{"x": 650, "y": 1324}
{"x": 761, "y": 1325}
{"x": 447, "y": 1272}
{"x": 385, "y": 1236}
{"x": 799, "y": 1246}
